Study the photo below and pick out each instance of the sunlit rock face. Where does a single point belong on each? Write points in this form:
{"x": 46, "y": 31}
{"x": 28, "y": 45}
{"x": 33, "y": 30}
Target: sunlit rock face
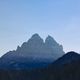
{"x": 36, "y": 48}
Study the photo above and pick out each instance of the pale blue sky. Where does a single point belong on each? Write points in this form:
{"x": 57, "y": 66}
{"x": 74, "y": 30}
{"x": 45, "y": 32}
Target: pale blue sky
{"x": 19, "y": 19}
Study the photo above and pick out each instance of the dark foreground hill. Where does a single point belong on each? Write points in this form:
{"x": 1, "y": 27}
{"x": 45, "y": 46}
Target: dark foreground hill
{"x": 65, "y": 68}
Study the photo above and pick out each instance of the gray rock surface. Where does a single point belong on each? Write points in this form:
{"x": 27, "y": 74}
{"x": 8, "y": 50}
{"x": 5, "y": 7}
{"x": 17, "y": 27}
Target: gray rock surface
{"x": 36, "y": 48}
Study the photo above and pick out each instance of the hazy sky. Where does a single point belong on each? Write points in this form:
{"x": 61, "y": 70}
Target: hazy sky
{"x": 19, "y": 19}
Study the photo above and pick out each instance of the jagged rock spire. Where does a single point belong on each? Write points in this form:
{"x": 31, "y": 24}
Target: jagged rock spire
{"x": 50, "y": 41}
{"x": 35, "y": 39}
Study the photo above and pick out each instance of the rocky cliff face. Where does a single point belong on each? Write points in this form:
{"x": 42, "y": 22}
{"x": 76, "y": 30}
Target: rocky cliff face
{"x": 36, "y": 48}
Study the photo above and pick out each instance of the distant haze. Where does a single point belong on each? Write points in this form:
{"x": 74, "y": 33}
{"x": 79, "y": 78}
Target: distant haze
{"x": 19, "y": 19}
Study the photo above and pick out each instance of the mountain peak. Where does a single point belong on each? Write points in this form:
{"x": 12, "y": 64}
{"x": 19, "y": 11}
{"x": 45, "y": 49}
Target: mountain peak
{"x": 35, "y": 36}
{"x": 50, "y": 41}
{"x": 72, "y": 53}
{"x": 49, "y": 38}
{"x": 35, "y": 39}
{"x": 68, "y": 58}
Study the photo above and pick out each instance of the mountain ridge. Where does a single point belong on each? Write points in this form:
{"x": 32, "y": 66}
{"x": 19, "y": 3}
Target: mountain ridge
{"x": 36, "y": 45}
{"x": 35, "y": 49}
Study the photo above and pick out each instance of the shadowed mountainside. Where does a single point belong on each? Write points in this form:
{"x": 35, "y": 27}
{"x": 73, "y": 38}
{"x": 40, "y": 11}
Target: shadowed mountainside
{"x": 65, "y": 68}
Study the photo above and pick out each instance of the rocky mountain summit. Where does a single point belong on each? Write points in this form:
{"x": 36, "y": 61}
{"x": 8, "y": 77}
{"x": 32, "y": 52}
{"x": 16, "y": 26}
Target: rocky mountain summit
{"x": 34, "y": 52}
{"x": 37, "y": 48}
